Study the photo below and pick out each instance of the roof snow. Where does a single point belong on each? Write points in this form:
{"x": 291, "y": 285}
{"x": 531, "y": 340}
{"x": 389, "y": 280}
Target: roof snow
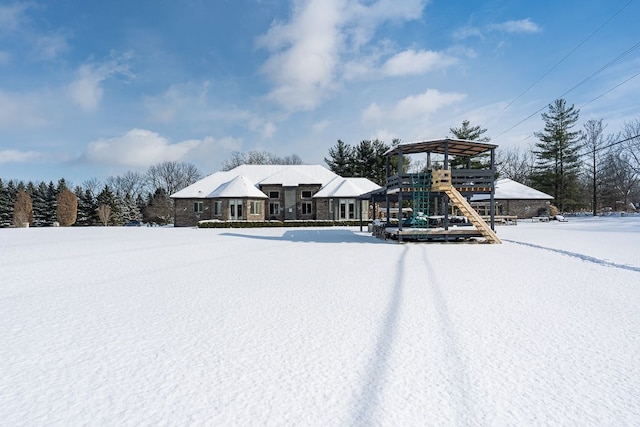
{"x": 245, "y": 180}
{"x": 346, "y": 187}
{"x": 507, "y": 189}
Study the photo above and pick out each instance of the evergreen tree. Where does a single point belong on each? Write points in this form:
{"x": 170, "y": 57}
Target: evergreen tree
{"x": 130, "y": 211}
{"x": 87, "y": 207}
{"x": 39, "y": 202}
{"x": 557, "y": 161}
{"x": 108, "y": 198}
{"x": 470, "y": 133}
{"x": 52, "y": 203}
{"x": 159, "y": 208}
{"x": 380, "y": 174}
{"x": 6, "y": 205}
{"x": 341, "y": 159}
{"x": 364, "y": 159}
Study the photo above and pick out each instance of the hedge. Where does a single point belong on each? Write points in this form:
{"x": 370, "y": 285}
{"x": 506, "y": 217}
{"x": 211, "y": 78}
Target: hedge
{"x": 263, "y": 224}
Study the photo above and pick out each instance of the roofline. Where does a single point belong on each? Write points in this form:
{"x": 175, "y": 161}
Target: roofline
{"x": 419, "y": 146}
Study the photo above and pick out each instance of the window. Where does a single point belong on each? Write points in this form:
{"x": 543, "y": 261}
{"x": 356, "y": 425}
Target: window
{"x": 217, "y": 208}
{"x": 306, "y": 194}
{"x": 306, "y": 208}
{"x": 198, "y": 207}
{"x": 330, "y": 205}
{"x": 274, "y": 208}
{"x": 274, "y": 194}
{"x": 255, "y": 207}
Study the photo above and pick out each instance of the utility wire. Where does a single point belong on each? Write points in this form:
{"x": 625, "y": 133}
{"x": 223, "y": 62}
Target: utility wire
{"x": 561, "y": 61}
{"x": 604, "y": 147}
{"x": 604, "y": 67}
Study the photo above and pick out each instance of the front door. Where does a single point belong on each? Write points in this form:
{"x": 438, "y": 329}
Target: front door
{"x": 347, "y": 209}
{"x": 235, "y": 209}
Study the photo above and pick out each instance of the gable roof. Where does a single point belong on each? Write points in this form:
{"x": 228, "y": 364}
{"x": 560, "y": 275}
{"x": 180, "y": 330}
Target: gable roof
{"x": 508, "y": 189}
{"x": 218, "y": 184}
{"x": 240, "y": 186}
{"x": 346, "y": 187}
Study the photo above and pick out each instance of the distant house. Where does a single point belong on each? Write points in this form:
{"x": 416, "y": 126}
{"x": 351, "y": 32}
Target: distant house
{"x": 513, "y": 198}
{"x": 272, "y": 192}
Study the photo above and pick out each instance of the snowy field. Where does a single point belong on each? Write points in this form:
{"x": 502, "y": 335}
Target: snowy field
{"x": 327, "y": 327}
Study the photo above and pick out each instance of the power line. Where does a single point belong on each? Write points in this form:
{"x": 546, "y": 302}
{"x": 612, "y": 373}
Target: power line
{"x": 613, "y": 144}
{"x": 601, "y": 69}
{"x": 561, "y": 60}
{"x": 610, "y": 90}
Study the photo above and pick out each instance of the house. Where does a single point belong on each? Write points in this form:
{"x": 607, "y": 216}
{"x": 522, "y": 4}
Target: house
{"x": 514, "y": 198}
{"x": 272, "y": 192}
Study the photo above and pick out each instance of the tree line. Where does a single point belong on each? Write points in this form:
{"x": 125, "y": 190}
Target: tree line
{"x": 133, "y": 196}
{"x": 584, "y": 169}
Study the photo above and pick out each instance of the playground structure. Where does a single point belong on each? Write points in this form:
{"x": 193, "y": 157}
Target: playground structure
{"x": 435, "y": 192}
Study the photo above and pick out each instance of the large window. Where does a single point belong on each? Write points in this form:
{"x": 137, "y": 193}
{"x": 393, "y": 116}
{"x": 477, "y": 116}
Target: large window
{"x": 217, "y": 208}
{"x": 274, "y": 208}
{"x": 274, "y": 194}
{"x": 306, "y": 208}
{"x": 306, "y": 194}
{"x": 198, "y": 207}
{"x": 255, "y": 207}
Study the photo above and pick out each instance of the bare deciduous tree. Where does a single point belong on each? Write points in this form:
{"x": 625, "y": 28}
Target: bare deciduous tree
{"x": 258, "y": 158}
{"x": 515, "y": 164}
{"x": 631, "y": 147}
{"x": 593, "y": 142}
{"x": 172, "y": 176}
{"x": 131, "y": 183}
{"x": 22, "y": 209}
{"x": 67, "y": 208}
{"x": 104, "y": 213}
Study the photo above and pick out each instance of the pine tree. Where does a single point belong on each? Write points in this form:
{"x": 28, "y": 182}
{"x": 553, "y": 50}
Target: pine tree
{"x": 558, "y": 163}
{"x": 6, "y": 205}
{"x": 341, "y": 159}
{"x": 87, "y": 207}
{"x": 52, "y": 203}
{"x": 470, "y": 133}
{"x": 364, "y": 160}
{"x": 39, "y": 200}
{"x": 108, "y": 198}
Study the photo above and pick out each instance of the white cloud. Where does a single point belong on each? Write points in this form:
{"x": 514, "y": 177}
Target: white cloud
{"x": 320, "y": 126}
{"x": 467, "y": 32}
{"x": 305, "y": 54}
{"x": 15, "y": 156}
{"x": 412, "y": 107}
{"x": 519, "y": 26}
{"x": 522, "y": 26}
{"x": 416, "y": 62}
{"x": 138, "y": 148}
{"x": 11, "y": 16}
{"x": 50, "y": 46}
{"x": 323, "y": 34}
{"x": 86, "y": 90}
{"x": 24, "y": 110}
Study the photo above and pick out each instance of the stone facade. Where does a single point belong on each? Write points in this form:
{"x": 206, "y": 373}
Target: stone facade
{"x": 189, "y": 211}
{"x": 521, "y": 208}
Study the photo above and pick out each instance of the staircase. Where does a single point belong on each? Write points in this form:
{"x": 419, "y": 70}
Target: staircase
{"x": 442, "y": 182}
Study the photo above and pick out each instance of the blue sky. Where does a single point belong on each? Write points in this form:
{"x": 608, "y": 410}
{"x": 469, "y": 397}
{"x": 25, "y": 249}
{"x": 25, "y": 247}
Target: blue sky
{"x": 94, "y": 89}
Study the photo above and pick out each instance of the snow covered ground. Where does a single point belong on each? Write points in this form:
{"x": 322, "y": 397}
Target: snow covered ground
{"x": 163, "y": 326}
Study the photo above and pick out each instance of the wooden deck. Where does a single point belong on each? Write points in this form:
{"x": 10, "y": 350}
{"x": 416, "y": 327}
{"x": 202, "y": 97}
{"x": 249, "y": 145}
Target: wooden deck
{"x": 409, "y": 234}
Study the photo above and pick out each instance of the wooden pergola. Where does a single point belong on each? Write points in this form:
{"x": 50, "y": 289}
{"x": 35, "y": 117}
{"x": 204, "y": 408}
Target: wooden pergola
{"x": 467, "y": 181}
